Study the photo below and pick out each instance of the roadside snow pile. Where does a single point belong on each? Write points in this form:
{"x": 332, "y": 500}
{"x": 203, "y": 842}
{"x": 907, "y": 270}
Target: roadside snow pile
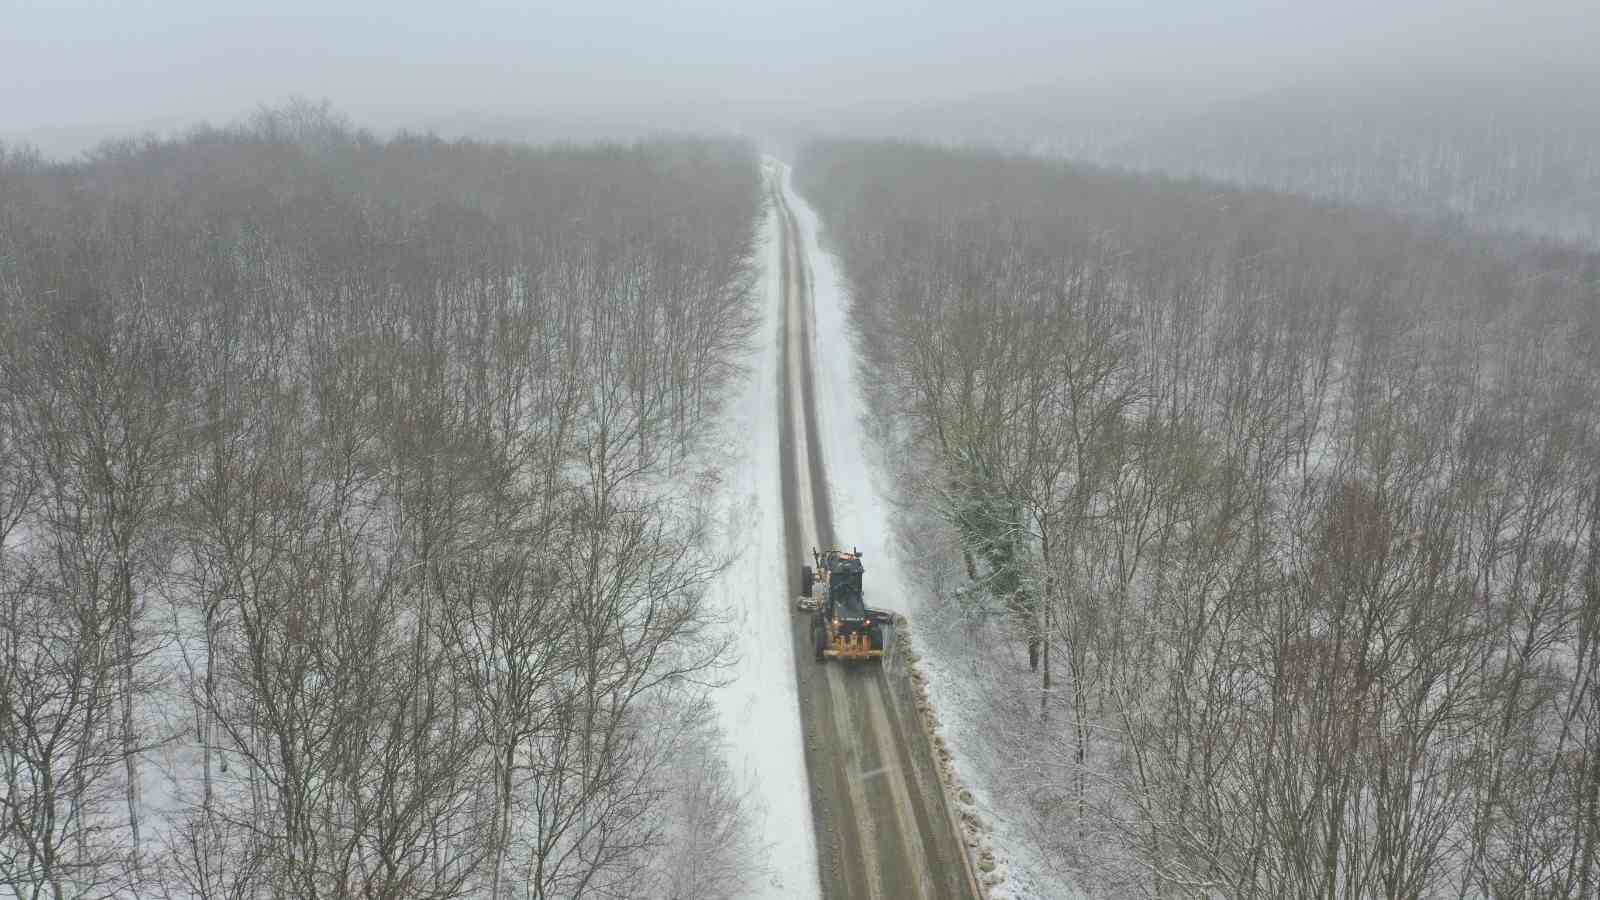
{"x": 971, "y": 810}
{"x": 961, "y": 665}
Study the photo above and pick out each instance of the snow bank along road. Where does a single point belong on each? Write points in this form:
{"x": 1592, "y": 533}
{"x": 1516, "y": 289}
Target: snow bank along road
{"x": 883, "y": 826}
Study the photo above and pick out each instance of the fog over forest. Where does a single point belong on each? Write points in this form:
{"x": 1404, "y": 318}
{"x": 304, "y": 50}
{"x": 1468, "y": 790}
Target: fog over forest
{"x": 430, "y": 435}
{"x": 1246, "y": 91}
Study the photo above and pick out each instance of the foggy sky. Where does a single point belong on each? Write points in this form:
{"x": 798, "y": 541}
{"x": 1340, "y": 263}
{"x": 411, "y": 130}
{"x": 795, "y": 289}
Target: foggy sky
{"x": 82, "y": 64}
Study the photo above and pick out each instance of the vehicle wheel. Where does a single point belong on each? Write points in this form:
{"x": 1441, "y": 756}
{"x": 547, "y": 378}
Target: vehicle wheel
{"x": 877, "y": 637}
{"x": 819, "y": 638}
{"x": 807, "y": 579}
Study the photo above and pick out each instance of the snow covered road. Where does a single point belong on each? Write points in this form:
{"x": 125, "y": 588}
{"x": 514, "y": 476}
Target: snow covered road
{"x": 882, "y": 825}
{"x": 852, "y": 801}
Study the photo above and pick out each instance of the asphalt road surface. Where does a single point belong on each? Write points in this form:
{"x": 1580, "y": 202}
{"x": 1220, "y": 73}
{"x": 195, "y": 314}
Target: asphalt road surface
{"x": 883, "y": 824}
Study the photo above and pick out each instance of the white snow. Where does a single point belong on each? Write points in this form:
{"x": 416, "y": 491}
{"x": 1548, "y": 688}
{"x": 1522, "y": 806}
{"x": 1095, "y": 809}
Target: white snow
{"x": 760, "y": 706}
{"x": 860, "y": 511}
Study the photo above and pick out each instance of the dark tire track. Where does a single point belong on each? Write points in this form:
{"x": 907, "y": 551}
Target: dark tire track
{"x": 882, "y": 824}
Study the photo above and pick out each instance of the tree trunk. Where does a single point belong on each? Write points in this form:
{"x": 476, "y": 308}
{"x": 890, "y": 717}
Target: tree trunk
{"x": 1044, "y": 620}
{"x": 503, "y": 829}
{"x": 130, "y": 741}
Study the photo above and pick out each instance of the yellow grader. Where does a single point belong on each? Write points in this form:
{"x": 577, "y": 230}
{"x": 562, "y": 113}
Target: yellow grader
{"x": 842, "y": 626}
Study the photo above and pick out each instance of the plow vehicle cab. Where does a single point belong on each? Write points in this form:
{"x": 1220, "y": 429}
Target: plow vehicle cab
{"x": 842, "y": 625}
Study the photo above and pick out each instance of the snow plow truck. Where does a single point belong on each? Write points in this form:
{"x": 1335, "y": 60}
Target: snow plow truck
{"x": 842, "y": 625}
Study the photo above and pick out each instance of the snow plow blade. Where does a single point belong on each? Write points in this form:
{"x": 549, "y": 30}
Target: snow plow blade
{"x": 853, "y": 646}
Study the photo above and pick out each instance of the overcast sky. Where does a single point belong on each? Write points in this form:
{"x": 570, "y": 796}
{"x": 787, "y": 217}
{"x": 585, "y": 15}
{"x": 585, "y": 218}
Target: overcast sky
{"x": 75, "y": 63}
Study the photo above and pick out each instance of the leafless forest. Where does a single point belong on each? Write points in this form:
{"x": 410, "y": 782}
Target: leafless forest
{"x": 341, "y": 548}
{"x": 1265, "y": 531}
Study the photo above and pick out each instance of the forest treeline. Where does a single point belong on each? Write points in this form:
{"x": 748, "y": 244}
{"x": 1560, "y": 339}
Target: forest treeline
{"x": 1264, "y": 531}
{"x": 340, "y": 548}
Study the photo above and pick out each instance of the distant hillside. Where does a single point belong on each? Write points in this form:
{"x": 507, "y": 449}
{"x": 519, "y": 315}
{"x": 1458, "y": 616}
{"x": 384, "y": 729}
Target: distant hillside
{"x": 1520, "y": 154}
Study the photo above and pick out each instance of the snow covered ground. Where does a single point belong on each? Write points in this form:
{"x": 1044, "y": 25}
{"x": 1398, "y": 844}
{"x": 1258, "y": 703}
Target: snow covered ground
{"x": 860, "y": 513}
{"x": 760, "y": 709}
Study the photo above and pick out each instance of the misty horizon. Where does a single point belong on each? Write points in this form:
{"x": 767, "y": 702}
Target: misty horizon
{"x": 84, "y": 71}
